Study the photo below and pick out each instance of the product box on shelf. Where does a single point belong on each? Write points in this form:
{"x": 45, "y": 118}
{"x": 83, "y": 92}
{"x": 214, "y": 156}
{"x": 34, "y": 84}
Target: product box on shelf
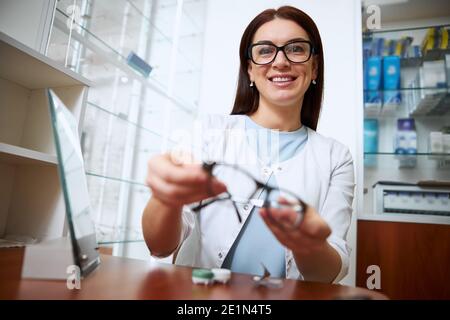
{"x": 432, "y": 89}
{"x": 374, "y": 77}
{"x": 370, "y": 141}
{"x": 391, "y": 83}
{"x": 405, "y": 142}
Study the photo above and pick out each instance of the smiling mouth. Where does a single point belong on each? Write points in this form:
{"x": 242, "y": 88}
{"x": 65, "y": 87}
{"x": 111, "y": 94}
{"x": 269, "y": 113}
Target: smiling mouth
{"x": 282, "y": 79}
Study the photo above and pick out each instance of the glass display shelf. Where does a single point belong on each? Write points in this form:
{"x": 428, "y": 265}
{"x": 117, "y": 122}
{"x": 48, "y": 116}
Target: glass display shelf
{"x": 110, "y": 238}
{"x": 116, "y": 10}
{"x": 113, "y": 146}
{"x": 107, "y": 242}
{"x": 420, "y": 161}
{"x": 415, "y": 102}
{"x": 115, "y": 222}
{"x": 406, "y": 29}
{"x": 103, "y": 51}
{"x": 440, "y": 89}
{"x": 406, "y": 154}
{"x": 124, "y": 119}
{"x": 137, "y": 183}
{"x": 430, "y": 55}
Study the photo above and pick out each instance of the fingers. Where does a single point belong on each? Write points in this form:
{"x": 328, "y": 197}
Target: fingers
{"x": 308, "y": 236}
{"x": 294, "y": 240}
{"x": 283, "y": 200}
{"x": 186, "y": 174}
{"x": 179, "y": 195}
{"x": 179, "y": 184}
{"x": 312, "y": 223}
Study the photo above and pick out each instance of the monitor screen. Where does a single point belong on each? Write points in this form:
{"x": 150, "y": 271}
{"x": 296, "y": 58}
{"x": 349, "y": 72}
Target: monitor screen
{"x": 74, "y": 185}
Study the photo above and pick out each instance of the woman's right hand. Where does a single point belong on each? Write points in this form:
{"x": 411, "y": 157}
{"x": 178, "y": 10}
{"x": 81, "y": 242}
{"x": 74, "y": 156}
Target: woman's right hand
{"x": 176, "y": 184}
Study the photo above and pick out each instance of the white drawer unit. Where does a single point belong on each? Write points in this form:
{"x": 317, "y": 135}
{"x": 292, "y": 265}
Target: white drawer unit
{"x": 411, "y": 199}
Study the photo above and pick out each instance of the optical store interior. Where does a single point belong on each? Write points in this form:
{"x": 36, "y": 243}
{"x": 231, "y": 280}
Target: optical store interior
{"x": 91, "y": 90}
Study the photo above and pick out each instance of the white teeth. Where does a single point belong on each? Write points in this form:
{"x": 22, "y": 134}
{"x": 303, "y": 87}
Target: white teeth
{"x": 282, "y": 79}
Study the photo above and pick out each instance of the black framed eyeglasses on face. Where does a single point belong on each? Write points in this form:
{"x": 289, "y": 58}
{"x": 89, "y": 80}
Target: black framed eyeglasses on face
{"x": 298, "y": 51}
{"x": 230, "y": 174}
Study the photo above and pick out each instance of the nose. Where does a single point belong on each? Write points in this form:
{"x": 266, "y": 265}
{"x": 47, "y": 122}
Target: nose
{"x": 280, "y": 60}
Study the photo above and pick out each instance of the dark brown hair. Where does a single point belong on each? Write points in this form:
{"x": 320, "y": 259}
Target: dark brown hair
{"x": 247, "y": 98}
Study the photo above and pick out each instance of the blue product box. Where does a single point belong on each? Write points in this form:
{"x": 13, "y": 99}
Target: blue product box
{"x": 373, "y": 97}
{"x": 391, "y": 82}
{"x": 370, "y": 141}
{"x": 370, "y": 135}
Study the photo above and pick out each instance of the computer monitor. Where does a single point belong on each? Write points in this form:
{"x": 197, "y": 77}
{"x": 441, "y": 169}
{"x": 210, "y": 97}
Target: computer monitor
{"x": 74, "y": 185}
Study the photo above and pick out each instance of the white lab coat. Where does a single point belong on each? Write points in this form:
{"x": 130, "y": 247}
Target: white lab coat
{"x": 321, "y": 174}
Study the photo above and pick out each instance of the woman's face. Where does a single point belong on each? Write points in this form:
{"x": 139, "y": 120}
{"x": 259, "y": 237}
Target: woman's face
{"x": 281, "y": 82}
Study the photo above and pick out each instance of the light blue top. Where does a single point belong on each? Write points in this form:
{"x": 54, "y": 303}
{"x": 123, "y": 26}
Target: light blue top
{"x": 255, "y": 243}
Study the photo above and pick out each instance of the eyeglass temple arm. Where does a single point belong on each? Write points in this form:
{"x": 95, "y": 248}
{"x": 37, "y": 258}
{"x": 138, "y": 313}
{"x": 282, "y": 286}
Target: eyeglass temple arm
{"x": 208, "y": 167}
{"x": 206, "y": 203}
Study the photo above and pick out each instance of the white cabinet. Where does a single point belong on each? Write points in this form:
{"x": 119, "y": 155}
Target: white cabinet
{"x": 31, "y": 202}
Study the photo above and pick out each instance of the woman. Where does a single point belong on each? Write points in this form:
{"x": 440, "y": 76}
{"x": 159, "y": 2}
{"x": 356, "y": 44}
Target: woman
{"x": 279, "y": 88}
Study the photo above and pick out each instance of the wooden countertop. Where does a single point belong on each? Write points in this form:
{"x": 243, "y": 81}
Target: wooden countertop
{"x": 122, "y": 278}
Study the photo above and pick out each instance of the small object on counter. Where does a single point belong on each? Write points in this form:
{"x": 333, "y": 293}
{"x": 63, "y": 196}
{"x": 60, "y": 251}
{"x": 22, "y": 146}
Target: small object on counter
{"x": 268, "y": 282}
{"x": 221, "y": 275}
{"x": 202, "y": 276}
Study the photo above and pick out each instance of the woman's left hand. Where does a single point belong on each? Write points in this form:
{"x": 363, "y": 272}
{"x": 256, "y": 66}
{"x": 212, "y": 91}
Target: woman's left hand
{"x": 304, "y": 238}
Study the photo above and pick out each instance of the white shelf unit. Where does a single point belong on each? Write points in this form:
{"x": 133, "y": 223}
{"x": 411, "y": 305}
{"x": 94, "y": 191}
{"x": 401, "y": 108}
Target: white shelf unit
{"x": 31, "y": 202}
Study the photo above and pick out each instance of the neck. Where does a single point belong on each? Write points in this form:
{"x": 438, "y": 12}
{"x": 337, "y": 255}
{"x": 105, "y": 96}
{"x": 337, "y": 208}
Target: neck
{"x": 283, "y": 118}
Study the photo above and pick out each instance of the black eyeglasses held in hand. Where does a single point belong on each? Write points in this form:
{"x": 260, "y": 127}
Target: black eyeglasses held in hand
{"x": 230, "y": 174}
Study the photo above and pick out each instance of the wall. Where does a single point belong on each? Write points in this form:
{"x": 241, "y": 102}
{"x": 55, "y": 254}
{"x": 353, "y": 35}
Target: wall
{"x": 27, "y": 21}
{"x": 340, "y": 27}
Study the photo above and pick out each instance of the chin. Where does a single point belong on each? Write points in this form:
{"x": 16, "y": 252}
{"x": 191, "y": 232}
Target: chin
{"x": 284, "y": 99}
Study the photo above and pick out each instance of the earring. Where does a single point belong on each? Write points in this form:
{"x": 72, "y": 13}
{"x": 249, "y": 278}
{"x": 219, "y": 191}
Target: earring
{"x": 314, "y": 82}
{"x": 252, "y": 83}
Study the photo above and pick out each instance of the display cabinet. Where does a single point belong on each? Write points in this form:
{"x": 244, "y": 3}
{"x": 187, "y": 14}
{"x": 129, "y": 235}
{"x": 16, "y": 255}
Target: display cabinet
{"x": 405, "y": 223}
{"x": 31, "y": 206}
{"x": 129, "y": 116}
{"x": 407, "y": 114}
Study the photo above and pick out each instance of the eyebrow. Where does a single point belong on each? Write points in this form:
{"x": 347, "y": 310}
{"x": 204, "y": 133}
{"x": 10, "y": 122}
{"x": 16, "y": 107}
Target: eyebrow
{"x": 289, "y": 41}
